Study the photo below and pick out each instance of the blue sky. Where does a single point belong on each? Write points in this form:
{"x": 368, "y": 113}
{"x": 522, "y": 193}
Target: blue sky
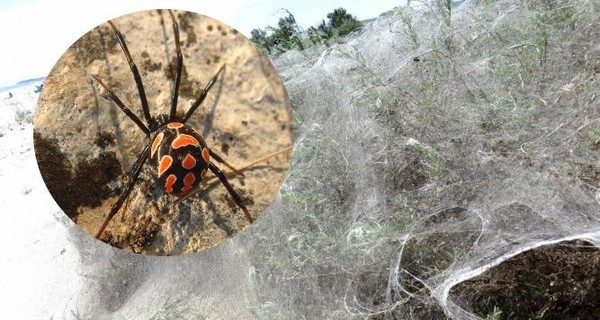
{"x": 7, "y": 4}
{"x": 35, "y": 33}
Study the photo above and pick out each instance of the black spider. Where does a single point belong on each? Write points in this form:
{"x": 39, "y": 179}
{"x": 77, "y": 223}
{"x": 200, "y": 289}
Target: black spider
{"x": 178, "y": 151}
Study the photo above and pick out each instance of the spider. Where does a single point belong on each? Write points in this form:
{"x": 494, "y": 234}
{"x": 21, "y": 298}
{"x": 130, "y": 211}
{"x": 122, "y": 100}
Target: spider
{"x": 179, "y": 152}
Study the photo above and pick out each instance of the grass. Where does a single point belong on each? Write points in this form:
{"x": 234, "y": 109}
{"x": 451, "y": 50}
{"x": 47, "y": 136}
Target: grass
{"x": 496, "y": 314}
{"x": 519, "y": 80}
{"x": 409, "y": 28}
{"x": 434, "y": 161}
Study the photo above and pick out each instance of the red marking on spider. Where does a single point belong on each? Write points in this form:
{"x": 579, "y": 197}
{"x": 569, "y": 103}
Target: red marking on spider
{"x": 206, "y": 155}
{"x": 169, "y": 183}
{"x": 156, "y": 143}
{"x": 189, "y": 179}
{"x": 184, "y": 191}
{"x": 188, "y": 182}
{"x": 165, "y": 163}
{"x": 174, "y": 125}
{"x": 183, "y": 140}
{"x": 189, "y": 162}
{"x": 203, "y": 173}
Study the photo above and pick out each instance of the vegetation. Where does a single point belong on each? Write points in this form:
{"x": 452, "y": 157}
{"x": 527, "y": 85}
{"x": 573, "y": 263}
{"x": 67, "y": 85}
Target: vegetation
{"x": 407, "y": 133}
{"x": 281, "y": 38}
{"x": 288, "y": 35}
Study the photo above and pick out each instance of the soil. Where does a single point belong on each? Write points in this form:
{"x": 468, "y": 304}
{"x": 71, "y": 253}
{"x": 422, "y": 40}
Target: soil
{"x": 559, "y": 281}
{"x": 86, "y": 146}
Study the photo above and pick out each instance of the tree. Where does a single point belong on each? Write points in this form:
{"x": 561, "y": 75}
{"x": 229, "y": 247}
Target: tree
{"x": 337, "y": 17}
{"x": 313, "y": 35}
{"x": 286, "y": 35}
{"x": 343, "y": 22}
{"x": 259, "y": 37}
{"x": 281, "y": 38}
{"x": 326, "y": 29}
{"x": 339, "y": 23}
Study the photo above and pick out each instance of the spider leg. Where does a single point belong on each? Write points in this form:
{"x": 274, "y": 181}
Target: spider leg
{"x": 137, "y": 168}
{"x": 202, "y": 95}
{"x": 231, "y": 175}
{"x": 134, "y": 70}
{"x": 236, "y": 197}
{"x": 179, "y": 67}
{"x": 221, "y": 160}
{"x": 121, "y": 105}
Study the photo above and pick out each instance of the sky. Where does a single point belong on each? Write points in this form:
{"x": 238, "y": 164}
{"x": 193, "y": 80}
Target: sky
{"x": 35, "y": 33}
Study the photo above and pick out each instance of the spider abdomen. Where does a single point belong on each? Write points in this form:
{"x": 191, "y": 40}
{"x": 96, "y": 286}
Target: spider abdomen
{"x": 180, "y": 156}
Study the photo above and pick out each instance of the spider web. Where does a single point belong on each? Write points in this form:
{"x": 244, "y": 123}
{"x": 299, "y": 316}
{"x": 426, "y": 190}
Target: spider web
{"x": 429, "y": 149}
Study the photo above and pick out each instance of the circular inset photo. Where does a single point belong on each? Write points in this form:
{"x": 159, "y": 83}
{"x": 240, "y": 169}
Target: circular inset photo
{"x": 163, "y": 132}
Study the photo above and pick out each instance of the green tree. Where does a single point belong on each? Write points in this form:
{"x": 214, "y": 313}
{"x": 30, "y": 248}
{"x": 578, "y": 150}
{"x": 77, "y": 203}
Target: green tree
{"x": 286, "y": 35}
{"x": 259, "y": 37}
{"x": 343, "y": 22}
{"x": 326, "y": 29}
{"x": 337, "y": 17}
{"x": 313, "y": 35}
{"x": 281, "y": 38}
